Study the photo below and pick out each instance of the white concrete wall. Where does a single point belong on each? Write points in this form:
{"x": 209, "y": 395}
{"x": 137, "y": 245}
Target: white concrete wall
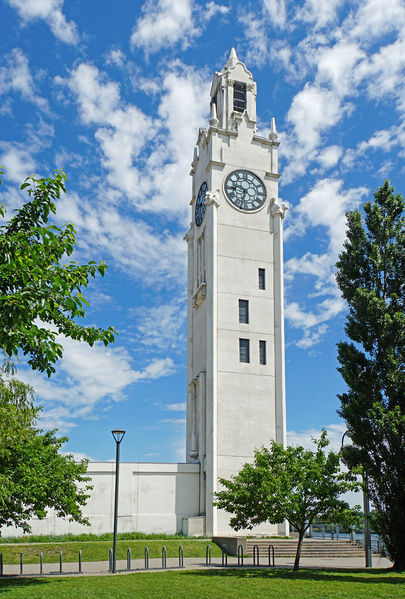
{"x": 153, "y": 498}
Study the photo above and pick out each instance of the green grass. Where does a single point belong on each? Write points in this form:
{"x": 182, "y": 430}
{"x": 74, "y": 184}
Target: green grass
{"x": 216, "y": 584}
{"x": 108, "y": 536}
{"x": 98, "y": 550}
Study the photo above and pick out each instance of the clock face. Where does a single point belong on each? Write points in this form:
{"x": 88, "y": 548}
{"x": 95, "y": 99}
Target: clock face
{"x": 200, "y": 204}
{"x": 245, "y": 190}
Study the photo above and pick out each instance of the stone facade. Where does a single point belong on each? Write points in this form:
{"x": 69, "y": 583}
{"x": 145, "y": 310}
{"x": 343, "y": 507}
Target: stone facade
{"x": 232, "y": 406}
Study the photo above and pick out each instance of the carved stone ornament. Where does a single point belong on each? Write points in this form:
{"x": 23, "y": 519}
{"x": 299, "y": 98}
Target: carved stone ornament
{"x": 212, "y": 197}
{"x": 278, "y": 208}
{"x": 190, "y": 233}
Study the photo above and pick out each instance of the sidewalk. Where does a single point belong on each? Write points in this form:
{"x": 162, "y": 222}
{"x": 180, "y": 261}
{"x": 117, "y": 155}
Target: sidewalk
{"x": 190, "y": 563}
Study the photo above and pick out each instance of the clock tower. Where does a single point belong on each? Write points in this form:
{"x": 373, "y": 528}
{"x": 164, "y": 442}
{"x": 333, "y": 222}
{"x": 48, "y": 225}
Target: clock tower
{"x": 235, "y": 334}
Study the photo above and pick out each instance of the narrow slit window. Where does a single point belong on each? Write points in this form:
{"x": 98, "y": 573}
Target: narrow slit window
{"x": 244, "y": 311}
{"x": 244, "y": 353}
{"x": 239, "y": 96}
{"x": 262, "y": 278}
{"x": 262, "y": 352}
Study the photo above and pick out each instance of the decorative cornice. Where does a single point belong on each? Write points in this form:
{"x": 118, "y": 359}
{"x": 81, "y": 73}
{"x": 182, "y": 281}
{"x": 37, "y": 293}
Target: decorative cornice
{"x": 277, "y": 209}
{"x": 189, "y": 236}
{"x": 212, "y": 197}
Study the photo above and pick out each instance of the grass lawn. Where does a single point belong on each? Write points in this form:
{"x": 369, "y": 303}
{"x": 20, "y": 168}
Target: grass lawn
{"x": 98, "y": 550}
{"x": 215, "y": 584}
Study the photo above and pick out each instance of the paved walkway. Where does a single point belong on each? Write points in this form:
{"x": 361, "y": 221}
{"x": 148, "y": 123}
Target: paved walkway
{"x": 190, "y": 563}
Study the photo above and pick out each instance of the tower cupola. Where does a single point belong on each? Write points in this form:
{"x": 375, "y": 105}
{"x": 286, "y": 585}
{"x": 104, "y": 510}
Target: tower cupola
{"x": 233, "y": 95}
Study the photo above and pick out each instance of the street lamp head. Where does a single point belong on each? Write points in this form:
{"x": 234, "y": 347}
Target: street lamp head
{"x": 118, "y": 435}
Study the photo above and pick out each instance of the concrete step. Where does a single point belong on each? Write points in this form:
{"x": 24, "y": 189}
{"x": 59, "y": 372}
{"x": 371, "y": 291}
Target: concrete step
{"x": 310, "y": 547}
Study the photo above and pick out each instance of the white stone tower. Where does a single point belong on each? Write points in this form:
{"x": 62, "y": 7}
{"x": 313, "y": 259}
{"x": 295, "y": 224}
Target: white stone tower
{"x": 235, "y": 365}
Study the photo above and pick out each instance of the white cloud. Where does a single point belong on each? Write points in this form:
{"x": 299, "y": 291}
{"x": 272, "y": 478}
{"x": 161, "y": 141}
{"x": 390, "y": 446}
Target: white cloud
{"x": 116, "y": 57}
{"x": 319, "y": 12}
{"x": 175, "y": 407}
{"x": 51, "y": 12}
{"x": 158, "y": 258}
{"x": 255, "y": 32}
{"x": 125, "y": 134}
{"x": 329, "y": 156}
{"x": 375, "y": 18}
{"x": 163, "y": 327}
{"x": 277, "y": 10}
{"x": 303, "y": 437}
{"x": 168, "y": 22}
{"x": 15, "y": 76}
{"x": 212, "y": 9}
{"x": 324, "y": 205}
{"x": 164, "y": 23}
{"x": 85, "y": 377}
{"x": 17, "y": 162}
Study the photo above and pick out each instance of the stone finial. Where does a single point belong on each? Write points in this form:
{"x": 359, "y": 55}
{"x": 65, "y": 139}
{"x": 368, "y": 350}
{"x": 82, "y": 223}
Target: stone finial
{"x": 273, "y": 131}
{"x": 214, "y": 122}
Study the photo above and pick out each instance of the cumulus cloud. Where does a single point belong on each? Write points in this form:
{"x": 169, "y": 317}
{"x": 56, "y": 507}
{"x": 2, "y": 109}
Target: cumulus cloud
{"x": 144, "y": 156}
{"x": 164, "y": 23}
{"x": 16, "y": 77}
{"x": 163, "y": 327}
{"x": 324, "y": 206}
{"x": 17, "y": 161}
{"x": 304, "y": 437}
{"x": 51, "y": 12}
{"x": 168, "y": 22}
{"x": 87, "y": 376}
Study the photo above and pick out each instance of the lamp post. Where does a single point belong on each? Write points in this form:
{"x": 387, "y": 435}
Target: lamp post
{"x": 366, "y": 508}
{"x": 118, "y": 435}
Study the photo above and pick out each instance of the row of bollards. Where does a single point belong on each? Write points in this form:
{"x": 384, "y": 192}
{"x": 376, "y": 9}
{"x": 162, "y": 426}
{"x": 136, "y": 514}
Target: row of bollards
{"x": 208, "y": 558}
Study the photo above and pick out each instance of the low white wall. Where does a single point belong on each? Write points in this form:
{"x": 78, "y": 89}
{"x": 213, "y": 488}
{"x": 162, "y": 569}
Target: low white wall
{"x": 153, "y": 498}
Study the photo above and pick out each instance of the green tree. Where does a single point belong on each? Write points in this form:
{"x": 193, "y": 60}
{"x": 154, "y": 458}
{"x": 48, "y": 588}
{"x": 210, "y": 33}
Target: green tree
{"x": 291, "y": 484}
{"x": 34, "y": 475}
{"x": 40, "y": 293}
{"x": 371, "y": 277}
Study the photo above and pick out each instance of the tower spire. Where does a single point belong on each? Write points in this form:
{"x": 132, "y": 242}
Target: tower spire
{"x": 233, "y": 58}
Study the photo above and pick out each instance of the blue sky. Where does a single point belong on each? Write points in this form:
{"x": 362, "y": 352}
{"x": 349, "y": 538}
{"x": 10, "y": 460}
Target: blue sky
{"x": 114, "y": 94}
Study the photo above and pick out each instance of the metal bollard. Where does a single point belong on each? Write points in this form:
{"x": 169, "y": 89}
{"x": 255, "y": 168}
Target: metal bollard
{"x": 181, "y": 557}
{"x": 164, "y": 554}
{"x": 224, "y": 557}
{"x": 110, "y": 561}
{"x": 21, "y": 564}
{"x": 208, "y": 555}
{"x": 240, "y": 555}
{"x": 80, "y": 561}
{"x": 128, "y": 558}
{"x": 60, "y": 563}
{"x": 146, "y": 558}
{"x": 41, "y": 562}
{"x": 271, "y": 555}
{"x": 1, "y": 564}
{"x": 256, "y": 555}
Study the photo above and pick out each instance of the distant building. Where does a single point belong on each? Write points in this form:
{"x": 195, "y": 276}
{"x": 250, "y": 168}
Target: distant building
{"x": 235, "y": 334}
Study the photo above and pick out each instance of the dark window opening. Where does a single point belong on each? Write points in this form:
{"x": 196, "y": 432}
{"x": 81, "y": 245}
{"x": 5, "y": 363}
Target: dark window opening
{"x": 244, "y": 353}
{"x": 239, "y": 97}
{"x": 262, "y": 278}
{"x": 244, "y": 311}
{"x": 262, "y": 352}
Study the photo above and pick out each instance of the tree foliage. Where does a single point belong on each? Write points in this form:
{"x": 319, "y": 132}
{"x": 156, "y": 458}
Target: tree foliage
{"x": 291, "y": 484}
{"x": 34, "y": 475}
{"x": 371, "y": 277}
{"x": 40, "y": 292}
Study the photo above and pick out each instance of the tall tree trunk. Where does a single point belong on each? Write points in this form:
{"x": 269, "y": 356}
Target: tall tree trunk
{"x": 301, "y": 534}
